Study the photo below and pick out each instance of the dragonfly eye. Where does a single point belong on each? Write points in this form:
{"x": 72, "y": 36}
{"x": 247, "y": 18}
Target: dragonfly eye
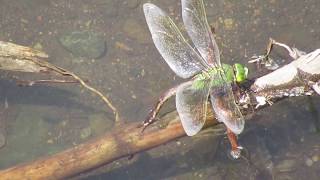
{"x": 241, "y": 72}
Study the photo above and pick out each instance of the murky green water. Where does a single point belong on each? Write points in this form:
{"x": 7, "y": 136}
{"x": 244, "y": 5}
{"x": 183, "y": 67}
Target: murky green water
{"x": 282, "y": 141}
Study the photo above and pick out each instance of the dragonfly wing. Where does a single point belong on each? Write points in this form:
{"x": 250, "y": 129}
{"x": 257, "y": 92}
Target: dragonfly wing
{"x": 195, "y": 20}
{"x": 173, "y": 47}
{"x": 225, "y": 107}
{"x": 192, "y": 105}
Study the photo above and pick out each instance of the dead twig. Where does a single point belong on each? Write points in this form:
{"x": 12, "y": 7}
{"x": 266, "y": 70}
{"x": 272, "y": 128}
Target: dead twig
{"x": 24, "y": 59}
{"x": 120, "y": 142}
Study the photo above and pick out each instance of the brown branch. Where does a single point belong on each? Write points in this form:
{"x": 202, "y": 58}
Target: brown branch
{"x": 121, "y": 142}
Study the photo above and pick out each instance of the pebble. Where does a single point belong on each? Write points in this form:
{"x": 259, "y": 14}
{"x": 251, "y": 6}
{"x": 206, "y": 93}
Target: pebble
{"x": 309, "y": 162}
{"x": 228, "y": 23}
{"x": 315, "y": 158}
{"x": 286, "y": 165}
{"x": 123, "y": 46}
{"x": 50, "y": 141}
{"x": 85, "y": 132}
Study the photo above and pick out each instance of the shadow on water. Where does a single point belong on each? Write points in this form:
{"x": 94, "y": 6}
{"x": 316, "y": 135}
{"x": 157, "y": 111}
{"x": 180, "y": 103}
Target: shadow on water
{"x": 45, "y": 119}
{"x": 41, "y": 95}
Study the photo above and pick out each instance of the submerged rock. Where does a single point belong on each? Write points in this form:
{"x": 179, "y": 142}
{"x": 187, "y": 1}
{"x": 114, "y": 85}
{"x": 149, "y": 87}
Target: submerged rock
{"x": 84, "y": 43}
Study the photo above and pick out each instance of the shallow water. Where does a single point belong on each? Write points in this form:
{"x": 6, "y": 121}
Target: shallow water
{"x": 281, "y": 141}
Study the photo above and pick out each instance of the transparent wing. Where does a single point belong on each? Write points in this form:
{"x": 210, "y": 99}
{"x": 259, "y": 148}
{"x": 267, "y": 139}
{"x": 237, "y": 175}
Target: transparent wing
{"x": 192, "y": 107}
{"x": 173, "y": 47}
{"x": 195, "y": 21}
{"x": 225, "y": 107}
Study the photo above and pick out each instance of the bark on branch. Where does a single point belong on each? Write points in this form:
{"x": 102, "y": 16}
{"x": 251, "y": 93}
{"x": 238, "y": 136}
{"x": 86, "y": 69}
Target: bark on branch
{"x": 121, "y": 142}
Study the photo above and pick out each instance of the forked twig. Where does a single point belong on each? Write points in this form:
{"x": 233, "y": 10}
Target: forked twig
{"x": 19, "y": 58}
{"x": 82, "y": 82}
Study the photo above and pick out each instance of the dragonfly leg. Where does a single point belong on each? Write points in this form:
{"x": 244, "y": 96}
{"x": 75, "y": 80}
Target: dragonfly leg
{"x": 151, "y": 118}
{"x": 293, "y": 52}
{"x": 235, "y": 148}
{"x": 265, "y": 59}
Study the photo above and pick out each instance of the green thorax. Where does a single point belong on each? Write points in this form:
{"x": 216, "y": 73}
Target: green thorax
{"x": 236, "y": 73}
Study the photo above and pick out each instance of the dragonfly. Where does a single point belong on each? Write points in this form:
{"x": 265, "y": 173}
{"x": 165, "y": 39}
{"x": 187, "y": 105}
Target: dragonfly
{"x": 210, "y": 79}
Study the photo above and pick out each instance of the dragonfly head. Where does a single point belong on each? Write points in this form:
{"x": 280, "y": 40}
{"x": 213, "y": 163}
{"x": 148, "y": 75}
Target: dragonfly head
{"x": 241, "y": 72}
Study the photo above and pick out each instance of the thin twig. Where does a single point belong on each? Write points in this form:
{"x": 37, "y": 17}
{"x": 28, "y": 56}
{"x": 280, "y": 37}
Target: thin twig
{"x": 65, "y": 72}
{"x": 104, "y": 98}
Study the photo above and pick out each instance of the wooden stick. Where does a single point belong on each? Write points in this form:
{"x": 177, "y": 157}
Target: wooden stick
{"x": 121, "y": 142}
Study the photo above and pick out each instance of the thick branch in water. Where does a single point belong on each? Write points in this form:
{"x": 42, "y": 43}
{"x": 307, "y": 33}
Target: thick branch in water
{"x": 121, "y": 142}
